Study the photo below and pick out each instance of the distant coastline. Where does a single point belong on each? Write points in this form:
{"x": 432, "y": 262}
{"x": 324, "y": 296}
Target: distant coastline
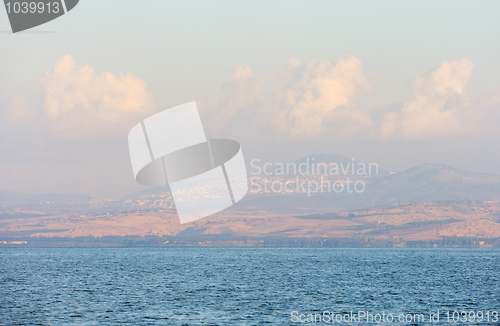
{"x": 216, "y": 240}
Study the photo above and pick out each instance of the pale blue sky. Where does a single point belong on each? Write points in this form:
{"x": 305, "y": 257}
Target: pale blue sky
{"x": 181, "y": 48}
{"x": 187, "y": 50}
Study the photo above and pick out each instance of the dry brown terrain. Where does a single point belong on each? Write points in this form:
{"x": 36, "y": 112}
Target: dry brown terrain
{"x": 409, "y": 221}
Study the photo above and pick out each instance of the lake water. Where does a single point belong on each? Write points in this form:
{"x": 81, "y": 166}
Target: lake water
{"x": 248, "y": 286}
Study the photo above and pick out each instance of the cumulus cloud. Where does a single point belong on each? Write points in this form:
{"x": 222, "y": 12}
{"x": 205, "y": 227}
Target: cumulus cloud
{"x": 69, "y": 134}
{"x": 315, "y": 91}
{"x": 293, "y": 103}
{"x": 448, "y": 78}
{"x": 76, "y": 96}
{"x": 439, "y": 106}
{"x": 320, "y": 99}
{"x": 74, "y": 101}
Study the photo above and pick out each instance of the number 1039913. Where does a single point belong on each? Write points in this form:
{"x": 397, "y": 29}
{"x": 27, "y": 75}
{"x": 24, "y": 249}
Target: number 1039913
{"x": 32, "y": 7}
{"x": 472, "y": 316}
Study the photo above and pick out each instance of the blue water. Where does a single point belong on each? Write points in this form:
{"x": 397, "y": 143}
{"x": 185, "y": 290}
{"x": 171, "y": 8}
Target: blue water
{"x": 243, "y": 286}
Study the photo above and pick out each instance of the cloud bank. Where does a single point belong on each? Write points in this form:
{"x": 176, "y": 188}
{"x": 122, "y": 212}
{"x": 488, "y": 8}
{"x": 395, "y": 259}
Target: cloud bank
{"x": 293, "y": 103}
{"x": 320, "y": 99}
{"x": 69, "y": 134}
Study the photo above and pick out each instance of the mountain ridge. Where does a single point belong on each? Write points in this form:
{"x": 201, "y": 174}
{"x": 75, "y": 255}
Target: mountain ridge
{"x": 427, "y": 182}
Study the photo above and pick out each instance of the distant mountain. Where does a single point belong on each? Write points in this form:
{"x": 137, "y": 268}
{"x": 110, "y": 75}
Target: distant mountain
{"x": 423, "y": 183}
{"x": 435, "y": 182}
{"x": 329, "y": 159}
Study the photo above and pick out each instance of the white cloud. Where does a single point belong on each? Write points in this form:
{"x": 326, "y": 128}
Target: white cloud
{"x": 70, "y": 135}
{"x": 315, "y": 91}
{"x": 320, "y": 99}
{"x": 71, "y": 87}
{"x": 76, "y": 98}
{"x": 448, "y": 78}
{"x": 294, "y": 103}
{"x": 438, "y": 108}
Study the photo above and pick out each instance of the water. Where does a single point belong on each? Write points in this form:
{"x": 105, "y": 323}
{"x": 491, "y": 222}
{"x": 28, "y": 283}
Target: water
{"x": 243, "y": 286}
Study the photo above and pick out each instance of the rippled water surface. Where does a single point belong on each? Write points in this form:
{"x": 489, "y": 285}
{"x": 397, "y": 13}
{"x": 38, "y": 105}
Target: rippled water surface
{"x": 242, "y": 286}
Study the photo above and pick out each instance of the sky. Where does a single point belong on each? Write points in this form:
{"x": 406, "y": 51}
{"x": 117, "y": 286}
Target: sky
{"x": 391, "y": 82}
